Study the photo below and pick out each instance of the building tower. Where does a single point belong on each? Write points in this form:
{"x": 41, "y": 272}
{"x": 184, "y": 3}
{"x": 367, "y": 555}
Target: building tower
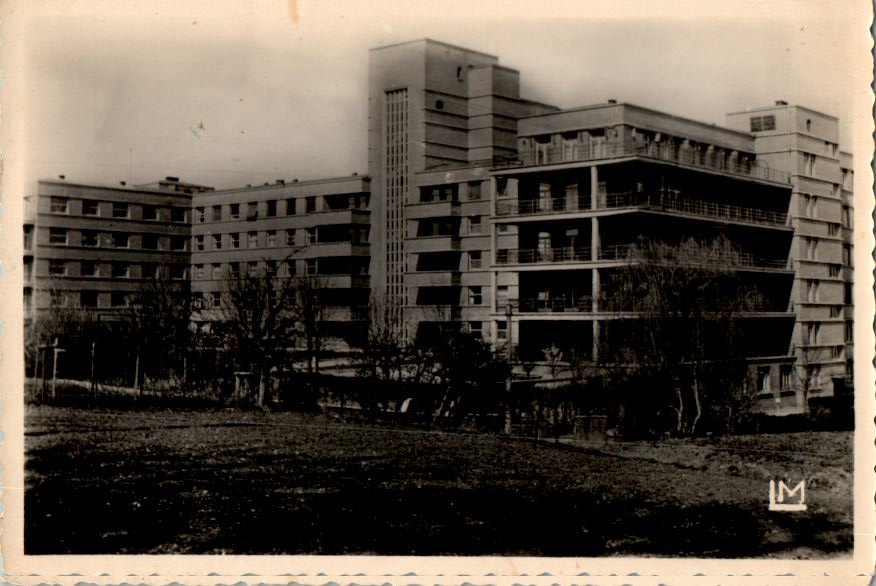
{"x": 431, "y": 106}
{"x": 804, "y": 143}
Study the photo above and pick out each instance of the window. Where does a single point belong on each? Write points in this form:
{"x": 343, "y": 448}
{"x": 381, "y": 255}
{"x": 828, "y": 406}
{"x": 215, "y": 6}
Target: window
{"x": 150, "y": 213}
{"x": 310, "y": 204}
{"x": 177, "y": 214}
{"x": 310, "y": 266}
{"x": 474, "y": 259}
{"x": 57, "y": 268}
{"x": 272, "y": 238}
{"x": 252, "y": 210}
{"x": 761, "y": 123}
{"x": 89, "y": 207}
{"x": 476, "y": 328}
{"x": 290, "y": 237}
{"x": 179, "y": 272}
{"x": 233, "y": 269}
{"x": 847, "y": 217}
{"x": 199, "y": 272}
{"x": 253, "y": 268}
{"x": 812, "y": 334}
{"x": 785, "y": 372}
{"x": 120, "y": 270}
{"x": 310, "y": 236}
{"x": 253, "y": 240}
{"x": 272, "y": 208}
{"x": 836, "y": 351}
{"x": 88, "y": 269}
{"x": 199, "y": 242}
{"x": 120, "y": 240}
{"x": 271, "y": 267}
{"x": 812, "y": 291}
{"x": 234, "y": 211}
{"x": 118, "y": 299}
{"x": 475, "y": 296}
{"x": 88, "y": 299}
{"x": 58, "y": 205}
{"x": 178, "y": 242}
{"x": 217, "y": 299}
{"x": 847, "y": 297}
{"x": 832, "y": 229}
{"x": 151, "y": 271}
{"x": 811, "y": 248}
{"x": 763, "y": 379}
{"x": 847, "y": 255}
{"x": 235, "y": 240}
{"x": 834, "y": 271}
{"x": 90, "y": 239}
{"x": 120, "y": 209}
{"x": 217, "y": 272}
{"x": 290, "y": 207}
{"x": 501, "y": 330}
{"x": 200, "y": 215}
{"x": 812, "y": 206}
{"x": 217, "y": 241}
{"x": 57, "y": 236}
{"x": 149, "y": 241}
{"x": 836, "y": 310}
{"x": 504, "y": 228}
{"x": 809, "y": 164}
{"x": 850, "y": 332}
{"x": 474, "y": 225}
{"x": 474, "y": 191}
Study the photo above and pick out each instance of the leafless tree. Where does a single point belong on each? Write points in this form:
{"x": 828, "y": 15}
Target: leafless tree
{"x": 684, "y": 337}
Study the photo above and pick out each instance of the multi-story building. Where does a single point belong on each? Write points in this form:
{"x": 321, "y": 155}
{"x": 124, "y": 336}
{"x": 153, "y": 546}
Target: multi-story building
{"x": 480, "y": 204}
{"x": 92, "y": 246}
{"x": 318, "y": 229}
{"x": 805, "y": 144}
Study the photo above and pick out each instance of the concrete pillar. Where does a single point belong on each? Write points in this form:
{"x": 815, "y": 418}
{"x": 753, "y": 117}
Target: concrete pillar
{"x": 594, "y": 187}
{"x": 595, "y": 350}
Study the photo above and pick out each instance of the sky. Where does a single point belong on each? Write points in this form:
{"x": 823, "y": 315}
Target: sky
{"x": 229, "y": 93}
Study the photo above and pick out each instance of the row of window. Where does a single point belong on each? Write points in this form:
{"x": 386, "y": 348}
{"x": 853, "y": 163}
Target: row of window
{"x": 450, "y": 192}
{"x": 62, "y": 268}
{"x": 120, "y": 210}
{"x": 287, "y": 268}
{"x": 94, "y": 239}
{"x": 250, "y": 210}
{"x": 237, "y": 240}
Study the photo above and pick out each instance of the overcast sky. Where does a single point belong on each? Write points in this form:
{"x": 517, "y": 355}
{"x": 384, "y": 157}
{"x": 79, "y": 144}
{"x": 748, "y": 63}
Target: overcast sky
{"x": 228, "y": 93}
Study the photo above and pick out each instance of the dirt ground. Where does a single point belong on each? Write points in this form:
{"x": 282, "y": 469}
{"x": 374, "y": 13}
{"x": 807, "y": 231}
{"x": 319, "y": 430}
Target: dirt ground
{"x": 106, "y": 481}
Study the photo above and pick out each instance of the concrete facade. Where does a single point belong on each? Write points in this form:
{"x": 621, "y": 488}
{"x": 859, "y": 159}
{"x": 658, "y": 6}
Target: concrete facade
{"x": 478, "y": 201}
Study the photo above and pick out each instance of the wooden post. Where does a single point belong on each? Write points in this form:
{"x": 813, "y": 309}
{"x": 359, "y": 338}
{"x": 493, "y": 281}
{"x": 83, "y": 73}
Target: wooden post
{"x": 55, "y": 351}
{"x": 137, "y": 374}
{"x": 93, "y": 380}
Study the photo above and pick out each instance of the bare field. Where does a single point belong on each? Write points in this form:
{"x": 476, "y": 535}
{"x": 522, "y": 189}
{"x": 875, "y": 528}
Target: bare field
{"x": 152, "y": 481}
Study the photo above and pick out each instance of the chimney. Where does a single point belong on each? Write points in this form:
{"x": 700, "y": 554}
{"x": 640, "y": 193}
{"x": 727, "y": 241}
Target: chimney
{"x": 612, "y": 101}
{"x": 122, "y": 183}
{"x": 281, "y": 182}
{"x": 294, "y": 181}
{"x": 172, "y": 179}
{"x": 62, "y": 176}
{"x": 781, "y": 103}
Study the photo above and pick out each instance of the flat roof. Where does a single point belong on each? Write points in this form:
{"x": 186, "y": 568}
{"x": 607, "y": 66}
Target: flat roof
{"x": 434, "y": 42}
{"x": 132, "y": 188}
{"x": 307, "y": 182}
{"x": 782, "y": 107}
{"x": 643, "y": 109}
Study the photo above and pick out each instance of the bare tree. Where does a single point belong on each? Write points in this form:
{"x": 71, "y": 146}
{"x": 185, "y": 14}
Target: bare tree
{"x": 382, "y": 357}
{"x": 310, "y": 314}
{"x": 683, "y": 337}
{"x": 259, "y": 312}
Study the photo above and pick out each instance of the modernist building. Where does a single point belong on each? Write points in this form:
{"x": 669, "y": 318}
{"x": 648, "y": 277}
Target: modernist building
{"x": 315, "y": 228}
{"x": 92, "y": 246}
{"x": 479, "y": 203}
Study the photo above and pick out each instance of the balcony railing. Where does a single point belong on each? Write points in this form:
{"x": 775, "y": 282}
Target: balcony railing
{"x": 512, "y": 256}
{"x": 557, "y": 304}
{"x": 564, "y": 303}
{"x": 666, "y": 201}
{"x": 654, "y": 151}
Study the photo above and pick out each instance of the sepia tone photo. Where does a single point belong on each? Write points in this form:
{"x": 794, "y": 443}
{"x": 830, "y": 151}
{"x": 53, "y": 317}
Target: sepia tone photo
{"x": 316, "y": 280}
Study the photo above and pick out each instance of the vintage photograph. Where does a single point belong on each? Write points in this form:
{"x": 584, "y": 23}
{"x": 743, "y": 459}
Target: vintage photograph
{"x": 336, "y": 279}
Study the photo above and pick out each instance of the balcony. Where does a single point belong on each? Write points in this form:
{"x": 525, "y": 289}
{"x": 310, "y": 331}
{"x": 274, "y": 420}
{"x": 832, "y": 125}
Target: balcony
{"x": 319, "y": 249}
{"x": 432, "y": 279}
{"x": 440, "y": 313}
{"x": 659, "y": 202}
{"x": 566, "y": 254}
{"x": 736, "y": 260}
{"x": 556, "y": 304}
{"x": 432, "y": 209}
{"x": 656, "y": 152}
{"x": 432, "y": 244}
